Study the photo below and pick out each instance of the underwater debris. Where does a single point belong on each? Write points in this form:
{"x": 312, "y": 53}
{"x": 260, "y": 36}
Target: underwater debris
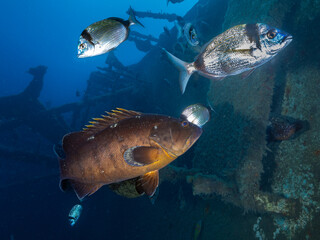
{"x": 143, "y": 42}
{"x": 274, "y": 204}
{"x": 142, "y": 36}
{"x": 26, "y": 109}
{"x": 167, "y": 16}
{"x": 142, "y": 45}
{"x": 207, "y": 186}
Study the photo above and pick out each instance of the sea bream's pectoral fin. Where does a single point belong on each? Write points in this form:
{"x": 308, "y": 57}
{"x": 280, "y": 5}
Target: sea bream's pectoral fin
{"x": 247, "y": 73}
{"x": 141, "y": 155}
{"x": 148, "y": 183}
{"x": 84, "y": 189}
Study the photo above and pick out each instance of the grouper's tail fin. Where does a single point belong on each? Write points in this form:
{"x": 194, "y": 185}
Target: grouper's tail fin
{"x": 81, "y": 189}
{"x": 186, "y": 70}
{"x": 132, "y": 17}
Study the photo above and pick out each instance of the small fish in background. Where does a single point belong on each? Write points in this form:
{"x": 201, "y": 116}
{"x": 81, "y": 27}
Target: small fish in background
{"x": 74, "y": 214}
{"x": 282, "y": 128}
{"x": 240, "y": 49}
{"x": 105, "y": 35}
{"x": 190, "y": 34}
{"x": 166, "y": 31}
{"x": 196, "y": 114}
{"x": 186, "y": 30}
{"x": 197, "y": 230}
{"x": 78, "y": 94}
{"x": 123, "y": 145}
{"x": 174, "y": 1}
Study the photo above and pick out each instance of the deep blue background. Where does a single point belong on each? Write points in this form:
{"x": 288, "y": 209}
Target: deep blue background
{"x": 46, "y": 32}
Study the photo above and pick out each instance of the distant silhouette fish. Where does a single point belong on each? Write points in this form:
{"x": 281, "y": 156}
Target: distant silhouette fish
{"x": 240, "y": 49}
{"x": 121, "y": 146}
{"x": 74, "y": 214}
{"x": 174, "y": 1}
{"x": 105, "y": 35}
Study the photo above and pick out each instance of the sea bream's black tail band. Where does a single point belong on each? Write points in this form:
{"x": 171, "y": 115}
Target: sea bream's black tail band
{"x": 132, "y": 18}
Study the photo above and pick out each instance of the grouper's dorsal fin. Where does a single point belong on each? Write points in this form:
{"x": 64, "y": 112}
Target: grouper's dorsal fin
{"x": 98, "y": 124}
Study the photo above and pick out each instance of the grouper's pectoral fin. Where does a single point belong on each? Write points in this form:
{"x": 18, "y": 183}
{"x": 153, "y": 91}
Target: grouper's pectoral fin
{"x": 141, "y": 155}
{"x": 148, "y": 183}
{"x": 84, "y": 189}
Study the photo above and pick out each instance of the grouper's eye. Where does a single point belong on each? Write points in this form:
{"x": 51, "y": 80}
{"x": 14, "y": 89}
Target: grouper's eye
{"x": 272, "y": 34}
{"x": 184, "y": 123}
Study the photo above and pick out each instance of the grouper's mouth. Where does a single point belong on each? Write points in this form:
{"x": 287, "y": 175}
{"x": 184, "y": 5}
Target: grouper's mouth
{"x": 167, "y": 151}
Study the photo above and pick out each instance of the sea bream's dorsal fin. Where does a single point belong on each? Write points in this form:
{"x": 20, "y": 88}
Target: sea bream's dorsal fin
{"x": 98, "y": 124}
{"x": 148, "y": 183}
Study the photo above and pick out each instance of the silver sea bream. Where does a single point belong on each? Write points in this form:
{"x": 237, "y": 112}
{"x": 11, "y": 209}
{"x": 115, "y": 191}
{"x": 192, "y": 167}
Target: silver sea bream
{"x": 190, "y": 34}
{"x": 196, "y": 114}
{"x": 240, "y": 49}
{"x": 105, "y": 35}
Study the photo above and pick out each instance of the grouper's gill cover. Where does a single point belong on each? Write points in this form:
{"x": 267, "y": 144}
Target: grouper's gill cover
{"x": 123, "y": 145}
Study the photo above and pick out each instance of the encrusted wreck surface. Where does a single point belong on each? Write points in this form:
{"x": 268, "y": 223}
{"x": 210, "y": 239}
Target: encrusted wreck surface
{"x": 288, "y": 85}
{"x": 232, "y": 169}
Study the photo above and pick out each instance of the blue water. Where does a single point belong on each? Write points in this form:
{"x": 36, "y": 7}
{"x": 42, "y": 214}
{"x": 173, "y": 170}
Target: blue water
{"x": 262, "y": 141}
{"x": 47, "y": 32}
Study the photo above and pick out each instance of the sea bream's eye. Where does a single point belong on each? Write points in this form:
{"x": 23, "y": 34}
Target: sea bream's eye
{"x": 82, "y": 46}
{"x": 271, "y": 34}
{"x": 185, "y": 123}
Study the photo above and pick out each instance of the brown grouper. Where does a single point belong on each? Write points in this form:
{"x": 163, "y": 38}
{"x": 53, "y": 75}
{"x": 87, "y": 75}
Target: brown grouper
{"x": 121, "y": 146}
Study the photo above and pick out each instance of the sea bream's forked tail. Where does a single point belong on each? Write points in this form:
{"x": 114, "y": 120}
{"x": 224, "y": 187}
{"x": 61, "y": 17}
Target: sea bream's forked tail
{"x": 132, "y": 18}
{"x": 186, "y": 70}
